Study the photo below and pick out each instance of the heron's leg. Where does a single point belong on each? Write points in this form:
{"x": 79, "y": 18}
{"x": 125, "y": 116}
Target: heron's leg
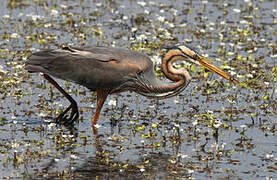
{"x": 101, "y": 97}
{"x": 73, "y": 106}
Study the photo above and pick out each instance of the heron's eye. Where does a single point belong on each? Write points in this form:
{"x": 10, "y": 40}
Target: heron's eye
{"x": 196, "y": 57}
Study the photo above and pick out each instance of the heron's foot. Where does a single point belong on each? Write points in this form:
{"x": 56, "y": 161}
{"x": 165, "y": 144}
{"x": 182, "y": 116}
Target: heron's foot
{"x": 63, "y": 117}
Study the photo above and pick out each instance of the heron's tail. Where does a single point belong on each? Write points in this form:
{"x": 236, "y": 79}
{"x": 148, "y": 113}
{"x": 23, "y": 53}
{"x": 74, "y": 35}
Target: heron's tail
{"x": 39, "y": 61}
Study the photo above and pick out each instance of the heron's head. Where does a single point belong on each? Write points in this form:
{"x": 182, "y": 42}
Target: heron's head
{"x": 195, "y": 58}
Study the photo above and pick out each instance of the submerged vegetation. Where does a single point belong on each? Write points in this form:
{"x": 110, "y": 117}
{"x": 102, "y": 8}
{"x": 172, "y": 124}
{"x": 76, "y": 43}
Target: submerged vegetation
{"x": 213, "y": 129}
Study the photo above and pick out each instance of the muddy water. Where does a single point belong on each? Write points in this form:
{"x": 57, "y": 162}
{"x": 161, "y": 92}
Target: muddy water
{"x": 213, "y": 129}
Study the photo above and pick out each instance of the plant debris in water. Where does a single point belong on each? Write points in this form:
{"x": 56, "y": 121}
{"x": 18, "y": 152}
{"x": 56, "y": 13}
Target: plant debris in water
{"x": 213, "y": 129}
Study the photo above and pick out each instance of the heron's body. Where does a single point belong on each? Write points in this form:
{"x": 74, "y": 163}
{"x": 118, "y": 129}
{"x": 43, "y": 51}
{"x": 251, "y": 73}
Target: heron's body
{"x": 94, "y": 67}
{"x": 107, "y": 70}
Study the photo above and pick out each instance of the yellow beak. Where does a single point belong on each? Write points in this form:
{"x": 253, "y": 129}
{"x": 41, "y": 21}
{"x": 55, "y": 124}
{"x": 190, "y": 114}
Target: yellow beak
{"x": 205, "y": 63}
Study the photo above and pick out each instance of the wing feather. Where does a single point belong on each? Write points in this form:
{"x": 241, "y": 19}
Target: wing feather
{"x": 93, "y": 67}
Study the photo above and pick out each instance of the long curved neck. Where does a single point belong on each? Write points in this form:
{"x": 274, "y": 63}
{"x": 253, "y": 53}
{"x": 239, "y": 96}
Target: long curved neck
{"x": 180, "y": 78}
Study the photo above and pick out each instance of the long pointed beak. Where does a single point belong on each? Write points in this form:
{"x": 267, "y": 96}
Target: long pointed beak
{"x": 205, "y": 63}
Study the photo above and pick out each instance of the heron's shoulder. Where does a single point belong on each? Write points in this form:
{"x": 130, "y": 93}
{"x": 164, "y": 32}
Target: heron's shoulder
{"x": 121, "y": 54}
{"x": 108, "y": 53}
{"x": 114, "y": 50}
{"x": 138, "y": 59}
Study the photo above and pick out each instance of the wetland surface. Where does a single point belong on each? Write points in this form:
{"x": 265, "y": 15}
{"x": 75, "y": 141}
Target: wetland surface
{"x": 213, "y": 129}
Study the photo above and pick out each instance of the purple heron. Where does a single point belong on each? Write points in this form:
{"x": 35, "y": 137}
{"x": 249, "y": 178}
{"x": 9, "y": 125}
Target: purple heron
{"x": 109, "y": 70}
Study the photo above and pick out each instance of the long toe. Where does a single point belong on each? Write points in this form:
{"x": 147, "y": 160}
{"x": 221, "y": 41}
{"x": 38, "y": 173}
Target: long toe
{"x": 74, "y": 112}
{"x": 73, "y": 117}
{"x": 63, "y": 117}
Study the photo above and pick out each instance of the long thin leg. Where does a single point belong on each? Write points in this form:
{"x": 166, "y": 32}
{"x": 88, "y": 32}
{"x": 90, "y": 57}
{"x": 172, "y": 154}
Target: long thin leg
{"x": 74, "y": 115}
{"x": 101, "y": 97}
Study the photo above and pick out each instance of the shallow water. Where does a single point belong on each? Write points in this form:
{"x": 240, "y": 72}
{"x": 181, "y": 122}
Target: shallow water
{"x": 213, "y": 129}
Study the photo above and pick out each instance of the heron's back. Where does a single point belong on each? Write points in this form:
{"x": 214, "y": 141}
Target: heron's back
{"x": 93, "y": 67}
